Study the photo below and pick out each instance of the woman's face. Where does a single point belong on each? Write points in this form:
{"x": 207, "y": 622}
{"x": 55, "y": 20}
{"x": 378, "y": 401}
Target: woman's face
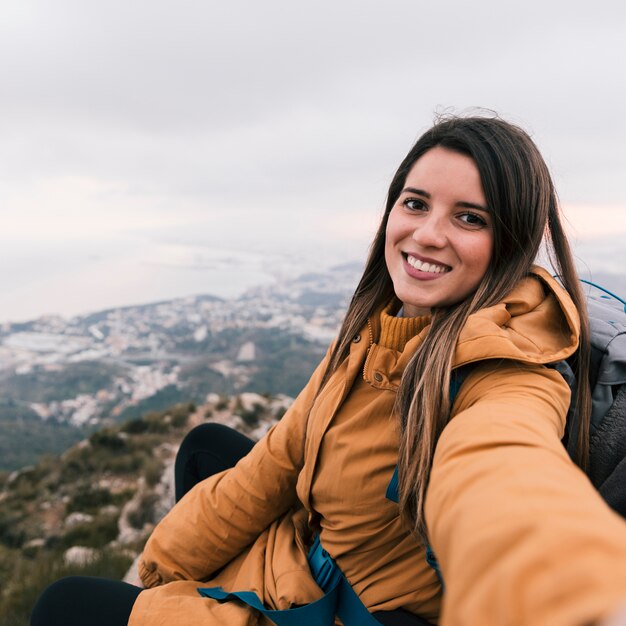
{"x": 439, "y": 237}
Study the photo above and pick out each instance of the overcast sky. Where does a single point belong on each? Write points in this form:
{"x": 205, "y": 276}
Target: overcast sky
{"x": 142, "y": 141}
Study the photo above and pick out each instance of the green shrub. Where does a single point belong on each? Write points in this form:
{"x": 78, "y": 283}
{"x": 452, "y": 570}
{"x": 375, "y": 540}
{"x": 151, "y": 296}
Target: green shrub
{"x": 158, "y": 425}
{"x": 24, "y": 490}
{"x": 251, "y": 417}
{"x": 12, "y": 531}
{"x": 88, "y": 500}
{"x": 153, "y": 470}
{"x": 126, "y": 464}
{"x": 107, "y": 439}
{"x": 76, "y": 463}
{"x": 180, "y": 414}
{"x": 135, "y": 427}
{"x": 93, "y": 534}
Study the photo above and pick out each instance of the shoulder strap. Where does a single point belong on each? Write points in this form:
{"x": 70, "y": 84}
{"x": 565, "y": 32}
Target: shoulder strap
{"x": 456, "y": 380}
{"x": 605, "y": 290}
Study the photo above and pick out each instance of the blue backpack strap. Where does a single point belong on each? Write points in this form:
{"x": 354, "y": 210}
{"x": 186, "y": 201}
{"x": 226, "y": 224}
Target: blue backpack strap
{"x": 431, "y": 559}
{"x": 392, "y": 487}
{"x": 605, "y": 290}
{"x": 339, "y": 597}
{"x": 456, "y": 380}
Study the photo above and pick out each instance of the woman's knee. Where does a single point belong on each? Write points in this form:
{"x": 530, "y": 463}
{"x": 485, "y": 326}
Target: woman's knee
{"x": 51, "y": 606}
{"x": 214, "y": 438}
{"x": 207, "y": 450}
{"x": 210, "y": 435}
{"x": 79, "y": 600}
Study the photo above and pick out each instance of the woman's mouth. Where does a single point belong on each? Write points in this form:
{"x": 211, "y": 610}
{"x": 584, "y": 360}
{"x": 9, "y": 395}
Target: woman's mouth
{"x": 423, "y": 266}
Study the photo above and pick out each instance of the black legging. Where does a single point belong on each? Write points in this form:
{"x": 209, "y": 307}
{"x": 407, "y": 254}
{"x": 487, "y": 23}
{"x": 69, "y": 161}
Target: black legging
{"x": 78, "y": 600}
{"x": 206, "y": 450}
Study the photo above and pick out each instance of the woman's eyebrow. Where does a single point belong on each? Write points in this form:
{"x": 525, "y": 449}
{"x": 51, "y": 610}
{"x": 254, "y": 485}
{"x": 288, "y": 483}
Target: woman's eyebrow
{"x": 471, "y": 205}
{"x": 463, "y": 204}
{"x": 419, "y": 192}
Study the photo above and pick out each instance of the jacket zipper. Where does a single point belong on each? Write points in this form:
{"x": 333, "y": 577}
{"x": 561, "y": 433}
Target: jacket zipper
{"x": 369, "y": 348}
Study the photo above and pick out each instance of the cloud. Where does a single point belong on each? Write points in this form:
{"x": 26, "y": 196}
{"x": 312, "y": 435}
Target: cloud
{"x": 591, "y": 221}
{"x": 278, "y": 125}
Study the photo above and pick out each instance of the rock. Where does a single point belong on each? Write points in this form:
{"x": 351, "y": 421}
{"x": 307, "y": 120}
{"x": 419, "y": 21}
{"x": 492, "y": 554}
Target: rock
{"x": 77, "y": 518}
{"x": 165, "y": 490}
{"x": 31, "y": 548}
{"x": 79, "y": 555}
{"x": 110, "y": 510}
{"x": 160, "y": 500}
{"x": 247, "y": 352}
{"x": 250, "y": 401}
{"x": 127, "y": 532}
{"x": 132, "y": 575}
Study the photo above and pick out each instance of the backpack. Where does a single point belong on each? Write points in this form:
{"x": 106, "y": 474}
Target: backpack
{"x": 607, "y": 436}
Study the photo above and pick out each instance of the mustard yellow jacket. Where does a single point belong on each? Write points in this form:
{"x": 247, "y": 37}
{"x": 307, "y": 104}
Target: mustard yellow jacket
{"x": 521, "y": 535}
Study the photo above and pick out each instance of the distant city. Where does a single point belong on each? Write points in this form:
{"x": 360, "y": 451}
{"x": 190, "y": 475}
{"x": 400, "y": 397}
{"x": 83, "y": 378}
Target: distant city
{"x": 119, "y": 363}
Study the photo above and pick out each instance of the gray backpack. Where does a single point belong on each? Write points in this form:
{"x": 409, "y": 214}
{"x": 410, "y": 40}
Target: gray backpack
{"x": 607, "y": 462}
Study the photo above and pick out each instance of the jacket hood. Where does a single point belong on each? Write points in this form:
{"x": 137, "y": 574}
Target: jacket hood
{"x": 536, "y": 323}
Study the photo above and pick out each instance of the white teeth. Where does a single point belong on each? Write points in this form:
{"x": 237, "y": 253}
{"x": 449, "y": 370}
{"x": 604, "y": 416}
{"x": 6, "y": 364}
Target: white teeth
{"x": 426, "y": 267}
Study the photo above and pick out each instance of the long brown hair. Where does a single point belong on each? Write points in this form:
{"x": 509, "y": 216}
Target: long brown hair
{"x": 521, "y": 196}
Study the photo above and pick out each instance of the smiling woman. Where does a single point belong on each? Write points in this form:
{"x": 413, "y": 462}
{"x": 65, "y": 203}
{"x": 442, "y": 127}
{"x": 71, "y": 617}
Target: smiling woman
{"x": 435, "y": 423}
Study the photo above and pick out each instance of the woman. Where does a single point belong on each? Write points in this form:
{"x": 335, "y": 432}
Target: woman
{"x": 449, "y": 298}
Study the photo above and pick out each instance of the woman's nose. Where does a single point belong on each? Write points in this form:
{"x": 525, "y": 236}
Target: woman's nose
{"x": 431, "y": 232}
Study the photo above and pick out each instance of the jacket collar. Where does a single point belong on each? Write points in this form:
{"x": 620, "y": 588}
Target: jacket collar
{"x": 536, "y": 323}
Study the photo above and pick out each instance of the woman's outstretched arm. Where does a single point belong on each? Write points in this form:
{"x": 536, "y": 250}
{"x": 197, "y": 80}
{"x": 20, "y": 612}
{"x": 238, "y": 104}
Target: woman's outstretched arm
{"x": 521, "y": 535}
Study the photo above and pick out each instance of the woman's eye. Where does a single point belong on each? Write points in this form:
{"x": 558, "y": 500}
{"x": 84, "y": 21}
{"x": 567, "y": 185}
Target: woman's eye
{"x": 473, "y": 219}
{"x": 414, "y": 204}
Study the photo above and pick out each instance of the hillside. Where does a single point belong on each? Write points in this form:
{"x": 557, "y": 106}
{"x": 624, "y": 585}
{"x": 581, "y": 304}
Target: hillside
{"x": 90, "y": 510}
{"x": 61, "y": 380}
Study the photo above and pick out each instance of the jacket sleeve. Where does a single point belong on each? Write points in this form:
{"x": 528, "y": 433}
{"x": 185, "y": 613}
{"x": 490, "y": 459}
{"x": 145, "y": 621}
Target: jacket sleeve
{"x": 521, "y": 535}
{"x": 220, "y": 516}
